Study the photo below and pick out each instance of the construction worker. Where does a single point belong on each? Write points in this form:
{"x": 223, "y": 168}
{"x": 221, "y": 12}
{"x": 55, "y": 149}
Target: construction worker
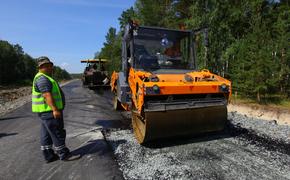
{"x": 48, "y": 101}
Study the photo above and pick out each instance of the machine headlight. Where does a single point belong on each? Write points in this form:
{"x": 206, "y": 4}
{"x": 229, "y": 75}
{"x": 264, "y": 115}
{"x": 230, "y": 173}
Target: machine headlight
{"x": 156, "y": 89}
{"x": 153, "y": 90}
{"x": 224, "y": 88}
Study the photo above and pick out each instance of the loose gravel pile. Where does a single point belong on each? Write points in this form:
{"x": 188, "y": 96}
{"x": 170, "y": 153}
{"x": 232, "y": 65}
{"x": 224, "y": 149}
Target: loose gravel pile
{"x": 139, "y": 162}
{"x": 267, "y": 132}
{"x": 241, "y": 152}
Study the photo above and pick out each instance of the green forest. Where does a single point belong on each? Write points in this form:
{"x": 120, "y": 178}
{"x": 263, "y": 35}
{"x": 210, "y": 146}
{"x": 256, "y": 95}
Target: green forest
{"x": 248, "y": 41}
{"x": 19, "y": 68}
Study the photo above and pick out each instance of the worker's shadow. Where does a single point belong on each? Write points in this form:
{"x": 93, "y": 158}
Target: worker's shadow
{"x": 7, "y": 134}
{"x": 92, "y": 147}
{"x": 101, "y": 90}
{"x": 99, "y": 147}
{"x": 12, "y": 117}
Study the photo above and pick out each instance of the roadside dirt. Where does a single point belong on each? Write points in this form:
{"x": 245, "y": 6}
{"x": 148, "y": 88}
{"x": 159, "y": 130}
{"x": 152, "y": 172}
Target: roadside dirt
{"x": 281, "y": 116}
{"x": 12, "y": 94}
{"x": 13, "y": 98}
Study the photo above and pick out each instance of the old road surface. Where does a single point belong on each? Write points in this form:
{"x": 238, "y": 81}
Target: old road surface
{"x": 85, "y": 114}
{"x": 109, "y": 150}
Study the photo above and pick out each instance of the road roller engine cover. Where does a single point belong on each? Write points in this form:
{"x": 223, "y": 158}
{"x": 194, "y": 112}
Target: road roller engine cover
{"x": 162, "y": 87}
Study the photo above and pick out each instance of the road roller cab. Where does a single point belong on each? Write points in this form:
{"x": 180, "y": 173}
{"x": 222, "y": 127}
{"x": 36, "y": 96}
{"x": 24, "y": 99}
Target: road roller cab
{"x": 160, "y": 84}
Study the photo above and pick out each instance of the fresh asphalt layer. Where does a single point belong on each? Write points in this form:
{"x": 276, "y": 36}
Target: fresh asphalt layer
{"x": 86, "y": 113}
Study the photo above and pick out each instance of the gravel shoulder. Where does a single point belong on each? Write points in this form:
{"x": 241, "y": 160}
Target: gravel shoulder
{"x": 214, "y": 156}
{"x": 249, "y": 148}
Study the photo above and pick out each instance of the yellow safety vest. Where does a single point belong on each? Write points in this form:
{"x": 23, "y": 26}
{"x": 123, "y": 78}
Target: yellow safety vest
{"x": 38, "y": 101}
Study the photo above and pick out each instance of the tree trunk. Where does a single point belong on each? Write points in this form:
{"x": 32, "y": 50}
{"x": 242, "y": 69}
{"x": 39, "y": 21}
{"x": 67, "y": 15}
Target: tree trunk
{"x": 258, "y": 97}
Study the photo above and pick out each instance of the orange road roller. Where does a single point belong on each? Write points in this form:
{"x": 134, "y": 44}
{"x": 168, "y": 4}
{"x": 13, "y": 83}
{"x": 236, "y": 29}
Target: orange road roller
{"x": 162, "y": 87}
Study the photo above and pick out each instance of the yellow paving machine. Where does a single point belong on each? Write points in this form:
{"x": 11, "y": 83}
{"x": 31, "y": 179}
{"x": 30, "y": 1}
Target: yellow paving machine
{"x": 95, "y": 74}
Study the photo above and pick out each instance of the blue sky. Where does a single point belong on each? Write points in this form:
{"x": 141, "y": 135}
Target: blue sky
{"x": 64, "y": 30}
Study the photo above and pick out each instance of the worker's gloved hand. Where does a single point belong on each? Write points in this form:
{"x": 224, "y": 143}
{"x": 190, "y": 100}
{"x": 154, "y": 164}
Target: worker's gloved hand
{"x": 56, "y": 114}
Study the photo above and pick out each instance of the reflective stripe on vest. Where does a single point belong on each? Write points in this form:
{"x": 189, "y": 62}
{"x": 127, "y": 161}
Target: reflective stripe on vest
{"x": 38, "y": 101}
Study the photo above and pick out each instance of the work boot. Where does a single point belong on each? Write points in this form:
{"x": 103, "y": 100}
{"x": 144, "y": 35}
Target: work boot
{"x": 49, "y": 155}
{"x": 54, "y": 158}
{"x": 64, "y": 152}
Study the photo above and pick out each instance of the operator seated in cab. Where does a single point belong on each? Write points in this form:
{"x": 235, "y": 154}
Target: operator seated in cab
{"x": 145, "y": 59}
{"x": 171, "y": 56}
{"x": 174, "y": 51}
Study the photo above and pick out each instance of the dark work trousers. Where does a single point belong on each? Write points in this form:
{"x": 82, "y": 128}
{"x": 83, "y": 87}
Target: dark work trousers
{"x": 52, "y": 132}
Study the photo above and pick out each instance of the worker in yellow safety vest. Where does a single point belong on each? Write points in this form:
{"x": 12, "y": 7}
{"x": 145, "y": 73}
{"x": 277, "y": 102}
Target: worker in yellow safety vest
{"x": 48, "y": 101}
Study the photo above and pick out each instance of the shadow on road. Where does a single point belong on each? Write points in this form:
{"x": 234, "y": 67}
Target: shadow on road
{"x": 13, "y": 117}
{"x": 112, "y": 124}
{"x": 7, "y": 134}
{"x": 74, "y": 123}
{"x": 101, "y": 89}
{"x": 94, "y": 146}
